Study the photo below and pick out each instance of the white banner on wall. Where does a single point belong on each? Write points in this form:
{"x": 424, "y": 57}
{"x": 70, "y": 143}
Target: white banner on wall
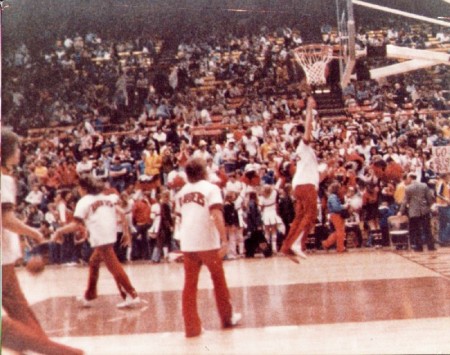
{"x": 441, "y": 159}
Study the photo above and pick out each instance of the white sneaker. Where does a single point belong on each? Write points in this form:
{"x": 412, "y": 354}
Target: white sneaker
{"x": 235, "y": 319}
{"x": 84, "y": 302}
{"x": 71, "y": 263}
{"x": 301, "y": 254}
{"x": 129, "y": 302}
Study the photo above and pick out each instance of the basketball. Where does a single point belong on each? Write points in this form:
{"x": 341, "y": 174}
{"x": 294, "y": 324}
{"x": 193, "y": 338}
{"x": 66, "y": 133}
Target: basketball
{"x": 35, "y": 265}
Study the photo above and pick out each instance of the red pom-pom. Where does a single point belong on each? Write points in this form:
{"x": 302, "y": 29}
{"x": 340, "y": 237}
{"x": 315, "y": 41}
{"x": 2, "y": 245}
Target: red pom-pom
{"x": 35, "y": 265}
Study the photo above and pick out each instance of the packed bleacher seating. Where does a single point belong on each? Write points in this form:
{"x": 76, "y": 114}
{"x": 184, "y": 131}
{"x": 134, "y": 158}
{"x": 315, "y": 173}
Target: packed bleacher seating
{"x": 131, "y": 112}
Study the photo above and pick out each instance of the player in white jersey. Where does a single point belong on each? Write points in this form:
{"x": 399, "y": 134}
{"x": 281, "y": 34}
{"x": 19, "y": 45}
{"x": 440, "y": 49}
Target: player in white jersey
{"x": 21, "y": 330}
{"x": 98, "y": 212}
{"x": 305, "y": 183}
{"x": 201, "y": 230}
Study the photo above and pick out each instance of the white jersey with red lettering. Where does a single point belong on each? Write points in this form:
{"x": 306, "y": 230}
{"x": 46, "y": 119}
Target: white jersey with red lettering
{"x": 196, "y": 230}
{"x": 11, "y": 250}
{"x": 99, "y": 215}
{"x": 307, "y": 171}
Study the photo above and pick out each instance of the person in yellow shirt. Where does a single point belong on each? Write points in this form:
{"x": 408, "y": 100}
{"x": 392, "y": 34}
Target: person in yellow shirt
{"x": 153, "y": 163}
{"x": 268, "y": 146}
{"x": 399, "y": 193}
{"x": 41, "y": 171}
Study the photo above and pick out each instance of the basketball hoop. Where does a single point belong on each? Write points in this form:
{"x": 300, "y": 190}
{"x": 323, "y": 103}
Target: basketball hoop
{"x": 314, "y": 58}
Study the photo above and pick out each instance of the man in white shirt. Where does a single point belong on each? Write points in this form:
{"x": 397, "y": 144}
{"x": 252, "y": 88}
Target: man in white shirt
{"x": 365, "y": 148}
{"x": 305, "y": 183}
{"x": 258, "y": 131}
{"x": 251, "y": 143}
{"x": 288, "y": 125}
{"x": 233, "y": 184}
{"x": 205, "y": 116}
{"x": 84, "y": 166}
{"x": 160, "y": 136}
{"x": 203, "y": 240}
{"x": 35, "y": 196}
{"x": 229, "y": 156}
{"x": 202, "y": 152}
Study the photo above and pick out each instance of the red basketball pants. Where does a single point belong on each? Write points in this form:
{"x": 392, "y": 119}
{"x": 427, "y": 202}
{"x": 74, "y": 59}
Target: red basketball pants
{"x": 192, "y": 264}
{"x": 14, "y": 301}
{"x": 305, "y": 215}
{"x": 106, "y": 253}
{"x": 21, "y": 329}
{"x": 338, "y": 236}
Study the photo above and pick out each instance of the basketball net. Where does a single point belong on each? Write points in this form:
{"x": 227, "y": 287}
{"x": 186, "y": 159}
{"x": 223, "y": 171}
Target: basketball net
{"x": 314, "y": 58}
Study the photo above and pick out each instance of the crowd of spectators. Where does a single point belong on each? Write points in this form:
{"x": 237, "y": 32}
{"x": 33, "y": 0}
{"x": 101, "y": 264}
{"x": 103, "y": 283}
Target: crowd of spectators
{"x": 131, "y": 114}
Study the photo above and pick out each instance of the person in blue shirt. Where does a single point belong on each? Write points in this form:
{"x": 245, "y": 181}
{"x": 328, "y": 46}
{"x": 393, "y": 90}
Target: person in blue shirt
{"x": 335, "y": 210}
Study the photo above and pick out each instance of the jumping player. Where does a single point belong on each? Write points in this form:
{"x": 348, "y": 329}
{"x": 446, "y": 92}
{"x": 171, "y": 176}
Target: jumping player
{"x": 201, "y": 230}
{"x": 21, "y": 330}
{"x": 98, "y": 212}
{"x": 305, "y": 183}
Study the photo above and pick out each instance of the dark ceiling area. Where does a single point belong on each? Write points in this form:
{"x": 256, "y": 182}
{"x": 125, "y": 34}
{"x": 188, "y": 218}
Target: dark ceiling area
{"x": 38, "y": 23}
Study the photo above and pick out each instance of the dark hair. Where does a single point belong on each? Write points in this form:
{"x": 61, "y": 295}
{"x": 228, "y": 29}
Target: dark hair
{"x": 10, "y": 141}
{"x": 253, "y": 196}
{"x": 196, "y": 169}
{"x": 412, "y": 176}
{"x": 334, "y": 188}
{"x": 92, "y": 186}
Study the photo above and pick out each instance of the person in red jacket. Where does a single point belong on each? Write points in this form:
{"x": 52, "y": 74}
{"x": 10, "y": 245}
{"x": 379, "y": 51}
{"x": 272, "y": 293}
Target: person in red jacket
{"x": 142, "y": 222}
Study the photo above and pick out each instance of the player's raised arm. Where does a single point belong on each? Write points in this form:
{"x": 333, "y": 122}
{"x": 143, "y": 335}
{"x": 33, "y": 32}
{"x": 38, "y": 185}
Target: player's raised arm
{"x": 310, "y": 106}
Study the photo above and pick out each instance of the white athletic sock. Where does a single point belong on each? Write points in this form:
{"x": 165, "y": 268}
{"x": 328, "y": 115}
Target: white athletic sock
{"x": 241, "y": 248}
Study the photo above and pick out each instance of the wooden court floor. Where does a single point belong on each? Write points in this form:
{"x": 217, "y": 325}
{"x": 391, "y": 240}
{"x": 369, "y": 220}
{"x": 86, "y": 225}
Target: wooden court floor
{"x": 360, "y": 302}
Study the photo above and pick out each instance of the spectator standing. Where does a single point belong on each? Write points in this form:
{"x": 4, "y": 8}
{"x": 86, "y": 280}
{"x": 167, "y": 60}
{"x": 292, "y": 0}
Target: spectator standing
{"x": 335, "y": 209}
{"x": 153, "y": 163}
{"x": 120, "y": 246}
{"x": 229, "y": 156}
{"x": 370, "y": 210}
{"x": 286, "y": 208}
{"x": 418, "y": 199}
{"x": 443, "y": 203}
{"x": 142, "y": 222}
{"x": 231, "y": 219}
{"x": 162, "y": 227}
{"x": 117, "y": 174}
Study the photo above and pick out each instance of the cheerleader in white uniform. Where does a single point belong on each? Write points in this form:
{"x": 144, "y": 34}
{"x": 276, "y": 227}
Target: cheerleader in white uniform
{"x": 270, "y": 217}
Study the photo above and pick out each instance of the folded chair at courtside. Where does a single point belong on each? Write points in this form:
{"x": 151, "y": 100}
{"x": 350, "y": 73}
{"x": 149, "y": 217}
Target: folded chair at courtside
{"x": 399, "y": 231}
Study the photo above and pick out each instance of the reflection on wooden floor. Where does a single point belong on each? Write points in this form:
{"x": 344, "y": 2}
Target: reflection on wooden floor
{"x": 363, "y": 301}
